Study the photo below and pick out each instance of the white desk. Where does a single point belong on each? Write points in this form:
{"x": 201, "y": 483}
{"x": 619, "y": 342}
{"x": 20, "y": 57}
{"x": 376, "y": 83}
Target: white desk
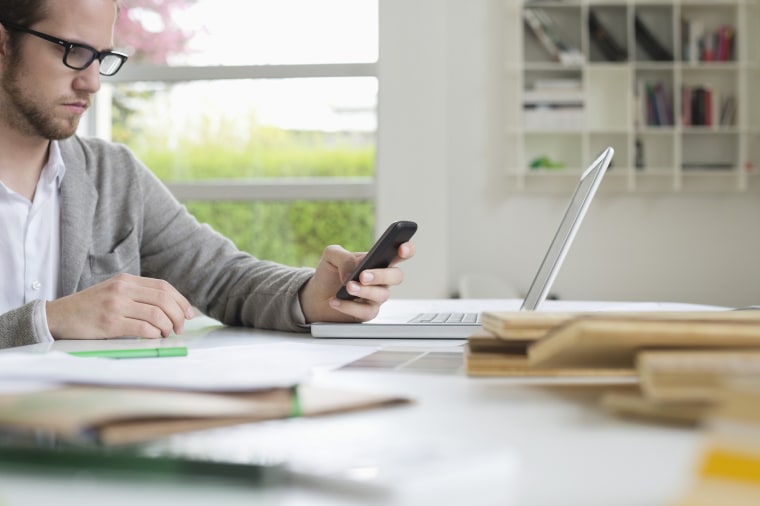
{"x": 464, "y": 440}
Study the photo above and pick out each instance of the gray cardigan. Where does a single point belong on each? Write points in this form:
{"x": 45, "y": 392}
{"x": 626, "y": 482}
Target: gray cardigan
{"x": 117, "y": 217}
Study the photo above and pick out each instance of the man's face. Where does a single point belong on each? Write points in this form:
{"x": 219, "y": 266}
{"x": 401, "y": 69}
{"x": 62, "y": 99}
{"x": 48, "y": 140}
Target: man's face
{"x": 42, "y": 97}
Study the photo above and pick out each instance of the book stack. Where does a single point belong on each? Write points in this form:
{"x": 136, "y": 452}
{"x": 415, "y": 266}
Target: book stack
{"x": 699, "y": 45}
{"x": 693, "y": 368}
{"x": 684, "y": 387}
{"x": 115, "y": 402}
{"x": 554, "y": 104}
{"x": 548, "y": 35}
{"x": 599, "y": 344}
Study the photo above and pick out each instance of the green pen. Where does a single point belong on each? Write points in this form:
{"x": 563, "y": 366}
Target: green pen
{"x": 134, "y": 353}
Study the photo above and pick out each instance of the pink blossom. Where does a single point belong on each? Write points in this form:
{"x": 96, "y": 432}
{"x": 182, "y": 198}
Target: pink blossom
{"x": 147, "y": 30}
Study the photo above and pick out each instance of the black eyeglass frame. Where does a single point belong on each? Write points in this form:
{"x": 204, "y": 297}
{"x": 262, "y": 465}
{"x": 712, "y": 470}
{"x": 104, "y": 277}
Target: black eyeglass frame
{"x": 68, "y": 46}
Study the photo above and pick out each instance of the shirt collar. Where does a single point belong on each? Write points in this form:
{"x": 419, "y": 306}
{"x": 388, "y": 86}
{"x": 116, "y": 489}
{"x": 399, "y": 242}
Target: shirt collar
{"x": 54, "y": 169}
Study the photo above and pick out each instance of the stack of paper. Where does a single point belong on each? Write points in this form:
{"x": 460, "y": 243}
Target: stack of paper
{"x": 685, "y": 386}
{"x": 115, "y": 402}
{"x": 594, "y": 344}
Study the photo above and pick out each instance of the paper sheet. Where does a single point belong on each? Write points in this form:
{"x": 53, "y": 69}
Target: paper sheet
{"x": 228, "y": 369}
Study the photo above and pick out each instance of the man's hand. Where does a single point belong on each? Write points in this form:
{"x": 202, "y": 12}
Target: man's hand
{"x": 124, "y": 305}
{"x": 318, "y": 300}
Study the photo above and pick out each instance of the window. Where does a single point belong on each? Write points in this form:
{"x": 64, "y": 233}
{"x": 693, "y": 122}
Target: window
{"x": 260, "y": 116}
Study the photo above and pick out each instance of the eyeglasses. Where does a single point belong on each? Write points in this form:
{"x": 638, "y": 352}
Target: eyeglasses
{"x": 78, "y": 56}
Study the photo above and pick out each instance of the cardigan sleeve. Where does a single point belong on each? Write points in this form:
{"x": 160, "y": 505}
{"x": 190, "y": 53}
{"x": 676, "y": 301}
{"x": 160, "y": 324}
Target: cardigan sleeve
{"x": 24, "y": 325}
{"x": 168, "y": 243}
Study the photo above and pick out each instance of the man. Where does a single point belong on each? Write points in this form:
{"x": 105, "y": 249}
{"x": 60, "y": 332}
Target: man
{"x": 92, "y": 245}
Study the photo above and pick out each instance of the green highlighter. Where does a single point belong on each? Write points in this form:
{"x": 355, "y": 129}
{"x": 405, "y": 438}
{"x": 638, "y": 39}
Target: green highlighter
{"x": 134, "y": 353}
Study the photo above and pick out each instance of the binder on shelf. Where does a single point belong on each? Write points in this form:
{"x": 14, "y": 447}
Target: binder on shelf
{"x": 649, "y": 42}
{"x": 604, "y": 41}
{"x": 547, "y": 33}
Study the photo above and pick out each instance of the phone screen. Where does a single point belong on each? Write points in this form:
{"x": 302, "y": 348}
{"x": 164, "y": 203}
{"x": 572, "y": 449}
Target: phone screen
{"x": 382, "y": 252}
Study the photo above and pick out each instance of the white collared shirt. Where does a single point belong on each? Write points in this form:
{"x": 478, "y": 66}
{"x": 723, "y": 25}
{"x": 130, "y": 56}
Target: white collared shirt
{"x": 30, "y": 239}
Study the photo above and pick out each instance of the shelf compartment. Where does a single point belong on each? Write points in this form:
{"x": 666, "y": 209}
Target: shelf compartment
{"x": 653, "y": 33}
{"x": 709, "y": 153}
{"x": 559, "y": 22}
{"x": 562, "y": 148}
{"x": 609, "y": 88}
{"x": 655, "y": 152}
{"x": 608, "y": 33}
{"x": 703, "y": 34}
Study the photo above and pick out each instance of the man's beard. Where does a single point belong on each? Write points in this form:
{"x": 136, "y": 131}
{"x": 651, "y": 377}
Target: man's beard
{"x": 28, "y": 115}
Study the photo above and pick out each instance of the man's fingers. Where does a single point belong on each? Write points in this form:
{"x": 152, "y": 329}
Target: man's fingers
{"x": 158, "y": 303}
{"x": 124, "y": 305}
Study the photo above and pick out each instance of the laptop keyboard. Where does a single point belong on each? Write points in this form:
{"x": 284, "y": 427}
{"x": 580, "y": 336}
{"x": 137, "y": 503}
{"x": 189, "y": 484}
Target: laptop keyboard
{"x": 446, "y": 318}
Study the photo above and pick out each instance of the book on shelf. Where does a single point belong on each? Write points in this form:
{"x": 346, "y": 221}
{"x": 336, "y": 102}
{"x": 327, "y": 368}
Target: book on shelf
{"x": 663, "y": 105}
{"x": 728, "y": 111}
{"x": 655, "y": 107}
{"x": 606, "y": 43}
{"x": 706, "y": 106}
{"x": 700, "y": 45}
{"x": 548, "y": 34}
{"x": 557, "y": 117}
{"x": 554, "y": 104}
{"x": 725, "y": 43}
{"x": 649, "y": 42}
{"x": 553, "y": 96}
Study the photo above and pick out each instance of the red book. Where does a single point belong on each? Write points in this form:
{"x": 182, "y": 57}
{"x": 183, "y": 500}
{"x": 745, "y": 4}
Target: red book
{"x": 708, "y": 108}
{"x": 686, "y": 106}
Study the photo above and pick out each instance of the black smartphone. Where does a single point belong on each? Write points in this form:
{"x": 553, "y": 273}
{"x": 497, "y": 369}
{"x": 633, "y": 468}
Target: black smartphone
{"x": 382, "y": 252}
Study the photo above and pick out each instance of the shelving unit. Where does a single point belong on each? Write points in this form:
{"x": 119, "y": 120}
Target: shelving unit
{"x": 676, "y": 121}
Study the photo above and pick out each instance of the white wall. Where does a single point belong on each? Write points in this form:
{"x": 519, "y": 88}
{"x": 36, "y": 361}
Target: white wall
{"x": 440, "y": 163}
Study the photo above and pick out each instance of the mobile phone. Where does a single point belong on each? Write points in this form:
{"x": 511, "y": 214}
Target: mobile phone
{"x": 382, "y": 252}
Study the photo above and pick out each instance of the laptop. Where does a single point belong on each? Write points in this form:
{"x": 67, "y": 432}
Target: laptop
{"x": 436, "y": 324}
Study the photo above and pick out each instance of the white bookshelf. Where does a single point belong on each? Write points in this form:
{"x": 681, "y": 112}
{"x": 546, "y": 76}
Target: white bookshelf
{"x": 654, "y": 152}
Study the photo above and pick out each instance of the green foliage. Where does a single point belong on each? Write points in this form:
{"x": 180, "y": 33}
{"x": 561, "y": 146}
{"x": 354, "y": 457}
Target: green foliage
{"x": 215, "y": 159}
{"x": 294, "y": 233}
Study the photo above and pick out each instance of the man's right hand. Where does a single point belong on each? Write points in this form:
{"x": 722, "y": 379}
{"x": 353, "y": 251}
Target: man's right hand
{"x": 124, "y": 305}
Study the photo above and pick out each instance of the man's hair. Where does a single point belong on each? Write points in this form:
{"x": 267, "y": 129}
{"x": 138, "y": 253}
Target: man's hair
{"x": 25, "y": 13}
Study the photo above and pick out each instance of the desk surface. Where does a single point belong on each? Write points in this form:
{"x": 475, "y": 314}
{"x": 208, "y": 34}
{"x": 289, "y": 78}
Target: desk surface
{"x": 462, "y": 441}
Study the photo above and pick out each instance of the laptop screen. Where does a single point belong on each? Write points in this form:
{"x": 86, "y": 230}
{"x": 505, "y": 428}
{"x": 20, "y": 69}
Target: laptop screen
{"x": 567, "y": 229}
